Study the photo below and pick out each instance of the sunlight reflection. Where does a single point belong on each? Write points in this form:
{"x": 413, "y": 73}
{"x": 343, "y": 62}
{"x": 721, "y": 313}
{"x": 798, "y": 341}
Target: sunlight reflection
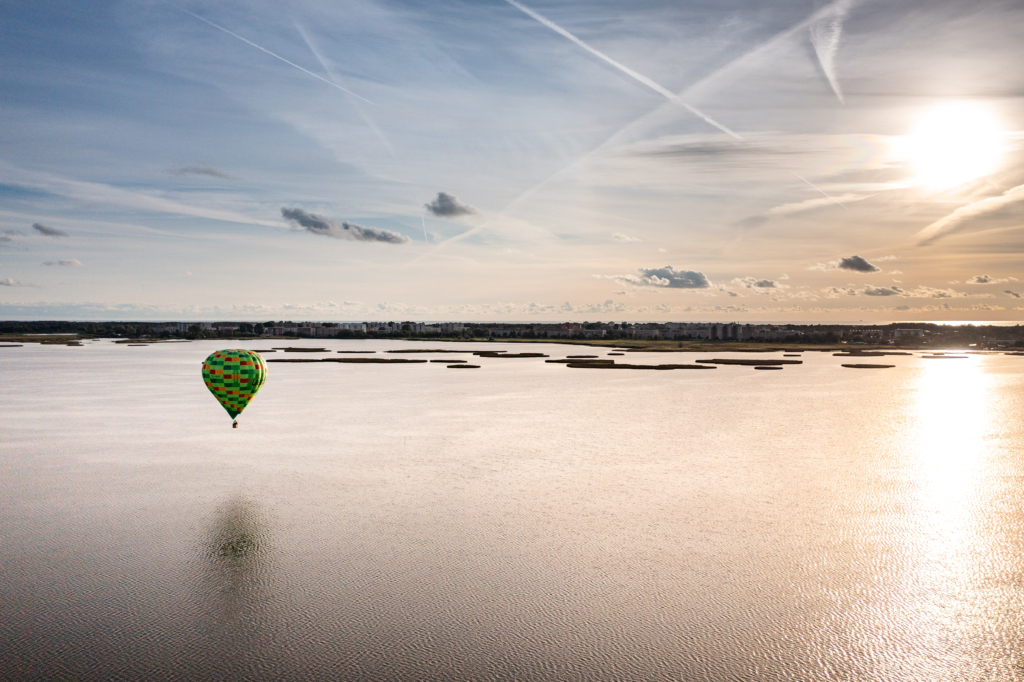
{"x": 945, "y": 545}
{"x": 952, "y": 420}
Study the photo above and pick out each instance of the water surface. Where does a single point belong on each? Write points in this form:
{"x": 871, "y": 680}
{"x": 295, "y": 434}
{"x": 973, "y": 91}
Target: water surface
{"x": 523, "y": 521}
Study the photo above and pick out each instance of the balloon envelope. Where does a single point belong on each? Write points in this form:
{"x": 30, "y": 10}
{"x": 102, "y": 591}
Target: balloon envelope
{"x": 234, "y": 377}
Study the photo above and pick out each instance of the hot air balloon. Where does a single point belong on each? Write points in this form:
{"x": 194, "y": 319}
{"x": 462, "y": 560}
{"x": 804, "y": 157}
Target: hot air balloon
{"x": 234, "y": 377}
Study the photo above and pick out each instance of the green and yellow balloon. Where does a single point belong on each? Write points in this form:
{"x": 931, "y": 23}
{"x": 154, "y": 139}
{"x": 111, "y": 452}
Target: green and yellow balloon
{"x": 234, "y": 377}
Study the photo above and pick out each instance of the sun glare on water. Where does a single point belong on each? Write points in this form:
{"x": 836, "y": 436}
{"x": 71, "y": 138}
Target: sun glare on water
{"x": 955, "y": 143}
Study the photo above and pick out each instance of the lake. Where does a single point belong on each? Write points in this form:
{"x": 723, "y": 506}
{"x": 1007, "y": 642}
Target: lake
{"x": 521, "y": 521}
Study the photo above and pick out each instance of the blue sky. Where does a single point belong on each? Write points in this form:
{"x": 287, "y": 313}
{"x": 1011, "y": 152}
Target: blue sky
{"x": 166, "y": 161}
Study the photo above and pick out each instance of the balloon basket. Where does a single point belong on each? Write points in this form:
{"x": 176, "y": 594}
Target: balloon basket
{"x": 234, "y": 425}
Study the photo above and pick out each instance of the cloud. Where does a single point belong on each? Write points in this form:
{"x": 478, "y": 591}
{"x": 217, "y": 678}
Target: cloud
{"x": 883, "y": 291}
{"x": 448, "y": 206}
{"x": 47, "y": 231}
{"x": 958, "y": 218}
{"x": 929, "y": 292}
{"x": 8, "y": 282}
{"x": 675, "y": 279}
{"x": 73, "y": 263}
{"x": 16, "y": 233}
{"x": 984, "y": 279}
{"x": 760, "y": 286}
{"x": 836, "y": 292}
{"x": 1011, "y": 293}
{"x": 5, "y": 239}
{"x": 869, "y": 290}
{"x": 857, "y": 264}
{"x": 97, "y": 193}
{"x": 619, "y": 237}
{"x": 199, "y": 170}
{"x": 318, "y": 224}
{"x": 854, "y": 263}
{"x": 666, "y": 277}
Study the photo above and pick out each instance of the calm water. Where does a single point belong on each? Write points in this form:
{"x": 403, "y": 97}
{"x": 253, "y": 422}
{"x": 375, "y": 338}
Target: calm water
{"x": 523, "y": 521}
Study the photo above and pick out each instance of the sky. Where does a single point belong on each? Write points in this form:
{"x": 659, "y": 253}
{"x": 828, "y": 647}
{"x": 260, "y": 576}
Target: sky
{"x": 534, "y": 161}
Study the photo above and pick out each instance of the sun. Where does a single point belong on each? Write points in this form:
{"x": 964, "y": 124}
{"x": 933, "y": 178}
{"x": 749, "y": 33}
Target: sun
{"x": 955, "y": 143}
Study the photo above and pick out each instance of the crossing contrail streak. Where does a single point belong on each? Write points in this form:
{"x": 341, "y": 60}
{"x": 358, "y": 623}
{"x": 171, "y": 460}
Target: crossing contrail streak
{"x": 668, "y": 94}
{"x": 275, "y": 56}
{"x": 370, "y": 123}
{"x": 819, "y": 189}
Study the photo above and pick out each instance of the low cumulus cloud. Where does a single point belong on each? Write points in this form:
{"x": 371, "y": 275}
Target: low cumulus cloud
{"x": 1011, "y": 293}
{"x": 869, "y": 290}
{"x": 667, "y": 277}
{"x": 883, "y": 291}
{"x": 851, "y": 263}
{"x": 8, "y": 282}
{"x": 199, "y": 170}
{"x": 836, "y": 292}
{"x": 984, "y": 279}
{"x": 72, "y": 263}
{"x": 759, "y": 285}
{"x": 448, "y": 206}
{"x": 929, "y": 292}
{"x": 48, "y": 231}
{"x": 619, "y": 237}
{"x": 318, "y": 224}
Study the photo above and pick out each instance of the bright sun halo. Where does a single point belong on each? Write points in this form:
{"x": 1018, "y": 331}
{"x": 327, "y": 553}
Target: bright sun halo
{"x": 955, "y": 143}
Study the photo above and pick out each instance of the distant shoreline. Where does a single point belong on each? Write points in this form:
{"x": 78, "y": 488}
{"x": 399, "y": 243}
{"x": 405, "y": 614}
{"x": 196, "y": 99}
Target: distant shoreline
{"x": 629, "y": 345}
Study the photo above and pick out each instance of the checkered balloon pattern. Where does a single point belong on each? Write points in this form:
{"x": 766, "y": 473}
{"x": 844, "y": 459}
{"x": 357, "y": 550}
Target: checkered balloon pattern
{"x": 234, "y": 377}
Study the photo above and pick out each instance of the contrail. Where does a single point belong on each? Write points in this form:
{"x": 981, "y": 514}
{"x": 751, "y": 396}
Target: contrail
{"x": 276, "y": 56}
{"x": 371, "y": 124}
{"x": 718, "y": 73}
{"x": 623, "y": 68}
{"x": 825, "y": 36}
{"x": 757, "y": 52}
{"x": 424, "y": 221}
{"x": 819, "y": 189}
